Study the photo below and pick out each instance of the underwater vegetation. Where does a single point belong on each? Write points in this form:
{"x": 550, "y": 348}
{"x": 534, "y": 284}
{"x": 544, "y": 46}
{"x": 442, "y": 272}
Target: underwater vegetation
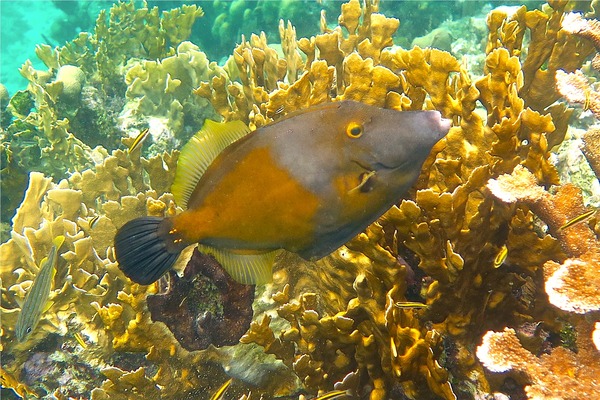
{"x": 483, "y": 282}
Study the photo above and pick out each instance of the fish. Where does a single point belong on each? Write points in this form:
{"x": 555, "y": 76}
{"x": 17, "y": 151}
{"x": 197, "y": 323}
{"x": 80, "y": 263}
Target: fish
{"x": 93, "y": 221}
{"x": 578, "y": 219}
{"x": 332, "y": 395}
{"x": 306, "y": 183}
{"x": 501, "y": 256}
{"x": 138, "y": 140}
{"x": 36, "y": 301}
{"x": 80, "y": 340}
{"x": 218, "y": 395}
{"x": 410, "y": 304}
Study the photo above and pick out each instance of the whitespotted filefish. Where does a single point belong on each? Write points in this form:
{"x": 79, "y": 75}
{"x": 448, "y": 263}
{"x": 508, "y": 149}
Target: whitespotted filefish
{"x": 37, "y": 299}
{"x": 307, "y": 184}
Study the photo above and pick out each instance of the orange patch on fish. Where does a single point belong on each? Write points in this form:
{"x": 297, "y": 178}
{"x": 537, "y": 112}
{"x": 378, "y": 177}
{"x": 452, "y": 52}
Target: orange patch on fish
{"x": 234, "y": 210}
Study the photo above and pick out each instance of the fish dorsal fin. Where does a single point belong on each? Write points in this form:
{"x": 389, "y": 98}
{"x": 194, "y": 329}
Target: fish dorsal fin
{"x": 249, "y": 269}
{"x": 200, "y": 152}
{"x": 58, "y": 241}
{"x": 47, "y": 306}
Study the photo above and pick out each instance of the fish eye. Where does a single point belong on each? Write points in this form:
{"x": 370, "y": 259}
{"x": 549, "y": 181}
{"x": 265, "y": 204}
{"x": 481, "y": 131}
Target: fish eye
{"x": 28, "y": 330}
{"x": 354, "y": 130}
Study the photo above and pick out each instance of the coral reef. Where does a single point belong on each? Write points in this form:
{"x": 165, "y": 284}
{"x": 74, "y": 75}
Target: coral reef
{"x": 96, "y": 312}
{"x": 571, "y": 281}
{"x": 162, "y": 90}
{"x": 74, "y": 105}
{"x": 454, "y": 226}
{"x": 481, "y": 245}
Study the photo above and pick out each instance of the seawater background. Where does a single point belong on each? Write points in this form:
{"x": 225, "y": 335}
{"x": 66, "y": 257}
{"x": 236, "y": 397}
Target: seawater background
{"x": 26, "y": 23}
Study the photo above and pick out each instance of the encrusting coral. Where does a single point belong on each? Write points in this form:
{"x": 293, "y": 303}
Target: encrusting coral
{"x": 399, "y": 310}
{"x": 559, "y": 375}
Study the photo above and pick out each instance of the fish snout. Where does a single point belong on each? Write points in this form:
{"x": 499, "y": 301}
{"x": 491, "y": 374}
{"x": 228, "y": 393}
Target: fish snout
{"x": 440, "y": 125}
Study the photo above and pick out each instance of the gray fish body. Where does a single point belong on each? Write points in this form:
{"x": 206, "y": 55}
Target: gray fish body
{"x": 318, "y": 166}
{"x": 394, "y": 146}
{"x": 307, "y": 183}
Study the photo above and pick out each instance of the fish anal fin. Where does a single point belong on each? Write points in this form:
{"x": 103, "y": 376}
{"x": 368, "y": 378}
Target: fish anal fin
{"x": 249, "y": 269}
{"x": 200, "y": 152}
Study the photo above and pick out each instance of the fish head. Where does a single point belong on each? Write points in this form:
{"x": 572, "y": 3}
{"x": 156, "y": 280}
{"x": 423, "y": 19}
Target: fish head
{"x": 392, "y": 144}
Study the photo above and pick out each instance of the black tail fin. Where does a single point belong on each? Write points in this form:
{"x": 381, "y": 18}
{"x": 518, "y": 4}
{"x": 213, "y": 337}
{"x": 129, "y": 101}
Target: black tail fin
{"x": 146, "y": 248}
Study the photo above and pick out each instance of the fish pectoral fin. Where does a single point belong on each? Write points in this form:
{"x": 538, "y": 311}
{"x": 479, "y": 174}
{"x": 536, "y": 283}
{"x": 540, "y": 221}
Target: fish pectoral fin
{"x": 365, "y": 182}
{"x": 249, "y": 269}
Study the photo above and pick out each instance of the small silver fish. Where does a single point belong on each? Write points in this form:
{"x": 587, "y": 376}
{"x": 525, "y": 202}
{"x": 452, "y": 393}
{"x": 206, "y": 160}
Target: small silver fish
{"x": 80, "y": 340}
{"x": 410, "y": 304}
{"x": 501, "y": 257}
{"x": 39, "y": 292}
{"x": 332, "y": 395}
{"x": 93, "y": 221}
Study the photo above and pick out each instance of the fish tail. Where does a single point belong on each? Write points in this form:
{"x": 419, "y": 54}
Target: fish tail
{"x": 147, "y": 247}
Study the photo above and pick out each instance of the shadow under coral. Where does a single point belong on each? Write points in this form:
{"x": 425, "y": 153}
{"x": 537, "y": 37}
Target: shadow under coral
{"x": 205, "y": 306}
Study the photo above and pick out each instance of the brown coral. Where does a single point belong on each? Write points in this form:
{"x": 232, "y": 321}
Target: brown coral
{"x": 573, "y": 285}
{"x": 576, "y": 89}
{"x": 195, "y": 314}
{"x": 561, "y": 374}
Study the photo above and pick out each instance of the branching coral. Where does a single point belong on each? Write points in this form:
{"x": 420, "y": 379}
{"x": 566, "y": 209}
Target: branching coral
{"x": 573, "y": 285}
{"x": 571, "y": 281}
{"x": 76, "y": 101}
{"x": 454, "y": 227}
{"x": 354, "y": 328}
{"x": 91, "y": 298}
{"x": 163, "y": 90}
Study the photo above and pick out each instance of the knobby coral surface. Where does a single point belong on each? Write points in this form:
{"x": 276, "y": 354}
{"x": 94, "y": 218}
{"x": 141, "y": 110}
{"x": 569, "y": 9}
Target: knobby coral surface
{"x": 205, "y": 306}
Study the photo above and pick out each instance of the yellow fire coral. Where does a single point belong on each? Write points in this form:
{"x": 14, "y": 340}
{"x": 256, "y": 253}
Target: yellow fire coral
{"x": 352, "y": 326}
{"x": 452, "y": 215}
{"x": 163, "y": 88}
{"x": 90, "y": 296}
{"x": 399, "y": 309}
